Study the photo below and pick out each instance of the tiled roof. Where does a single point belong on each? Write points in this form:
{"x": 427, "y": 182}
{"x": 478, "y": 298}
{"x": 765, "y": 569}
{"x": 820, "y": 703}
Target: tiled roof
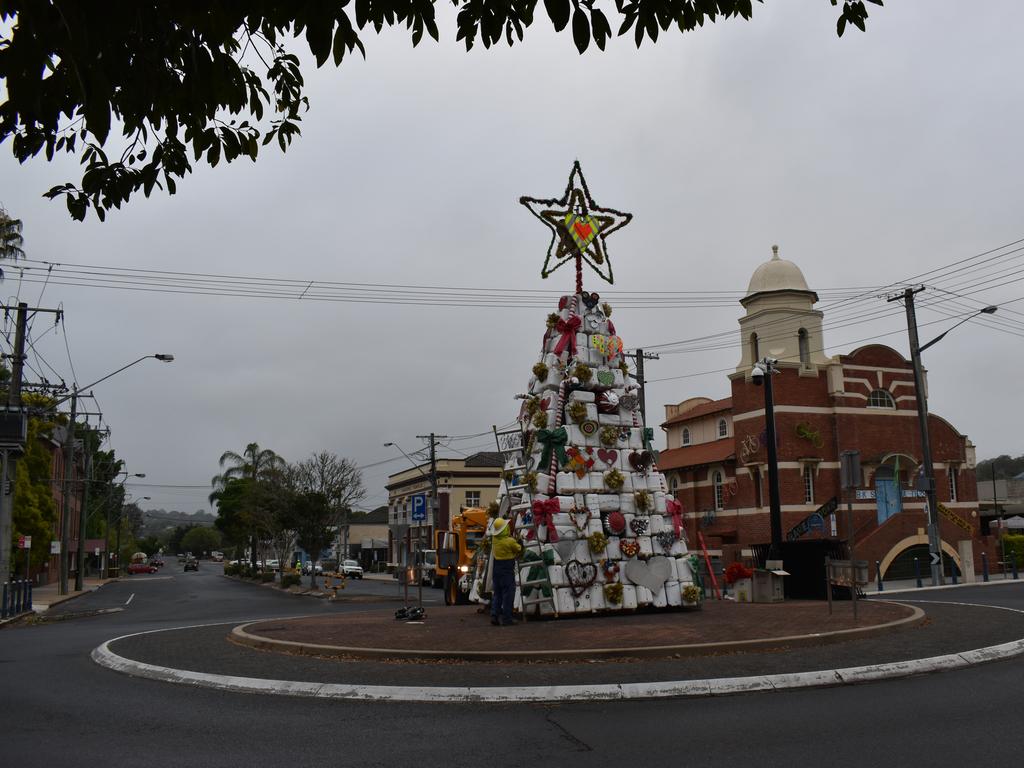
{"x": 725, "y": 404}
{"x": 378, "y": 516}
{"x": 485, "y": 459}
{"x": 697, "y": 455}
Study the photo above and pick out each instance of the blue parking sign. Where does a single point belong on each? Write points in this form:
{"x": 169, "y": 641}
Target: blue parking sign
{"x": 419, "y": 508}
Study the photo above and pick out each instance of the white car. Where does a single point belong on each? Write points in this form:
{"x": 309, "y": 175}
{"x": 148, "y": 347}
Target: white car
{"x": 352, "y": 569}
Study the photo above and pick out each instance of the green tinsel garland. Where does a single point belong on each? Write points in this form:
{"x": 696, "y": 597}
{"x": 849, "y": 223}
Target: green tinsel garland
{"x": 642, "y": 499}
{"x": 613, "y": 593}
{"x": 540, "y": 370}
{"x": 577, "y": 411}
{"x": 583, "y": 373}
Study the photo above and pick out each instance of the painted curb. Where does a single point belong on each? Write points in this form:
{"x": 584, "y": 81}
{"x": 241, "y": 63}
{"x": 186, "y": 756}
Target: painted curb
{"x": 105, "y": 657}
{"x": 242, "y": 637}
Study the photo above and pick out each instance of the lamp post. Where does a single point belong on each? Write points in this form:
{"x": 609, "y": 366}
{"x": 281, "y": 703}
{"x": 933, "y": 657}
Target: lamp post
{"x": 934, "y": 535}
{"x": 106, "y": 516}
{"x": 762, "y": 373}
{"x": 69, "y": 462}
{"x": 408, "y": 534}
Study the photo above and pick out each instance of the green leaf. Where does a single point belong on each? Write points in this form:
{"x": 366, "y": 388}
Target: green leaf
{"x": 558, "y": 12}
{"x": 580, "y": 30}
{"x": 841, "y": 26}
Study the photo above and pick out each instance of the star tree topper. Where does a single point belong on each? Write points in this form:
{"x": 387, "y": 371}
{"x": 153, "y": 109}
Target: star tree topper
{"x": 579, "y": 228}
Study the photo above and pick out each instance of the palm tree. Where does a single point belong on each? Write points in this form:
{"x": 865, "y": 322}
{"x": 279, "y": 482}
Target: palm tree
{"x": 10, "y": 238}
{"x": 253, "y": 463}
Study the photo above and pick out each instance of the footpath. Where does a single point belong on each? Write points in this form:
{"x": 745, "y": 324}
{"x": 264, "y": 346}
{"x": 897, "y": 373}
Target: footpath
{"x": 455, "y": 655}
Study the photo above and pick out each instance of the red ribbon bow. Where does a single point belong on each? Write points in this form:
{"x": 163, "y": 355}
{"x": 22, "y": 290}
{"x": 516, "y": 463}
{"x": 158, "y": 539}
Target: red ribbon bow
{"x": 543, "y": 514}
{"x": 675, "y": 509}
{"x": 568, "y": 330}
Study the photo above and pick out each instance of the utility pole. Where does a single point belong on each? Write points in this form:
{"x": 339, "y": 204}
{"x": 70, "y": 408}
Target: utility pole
{"x": 640, "y": 356}
{"x": 11, "y": 453}
{"x": 65, "y": 517}
{"x": 934, "y": 535}
{"x": 435, "y": 503}
{"x": 83, "y": 507}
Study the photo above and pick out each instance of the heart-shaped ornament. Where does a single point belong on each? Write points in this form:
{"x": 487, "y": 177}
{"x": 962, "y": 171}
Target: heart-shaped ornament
{"x": 606, "y": 378}
{"x": 566, "y": 548}
{"x": 629, "y": 402}
{"x": 582, "y": 229}
{"x": 641, "y": 461}
{"x": 580, "y": 576}
{"x": 639, "y": 525}
{"x": 608, "y": 456}
{"x": 667, "y": 539}
{"x": 545, "y": 403}
{"x": 629, "y": 547}
{"x": 651, "y": 574}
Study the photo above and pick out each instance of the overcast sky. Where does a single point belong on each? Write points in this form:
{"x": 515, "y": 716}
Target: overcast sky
{"x": 868, "y": 159}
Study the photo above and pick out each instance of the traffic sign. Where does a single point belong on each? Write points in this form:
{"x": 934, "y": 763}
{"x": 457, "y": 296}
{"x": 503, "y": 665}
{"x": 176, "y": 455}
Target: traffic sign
{"x": 936, "y": 558}
{"x": 54, "y": 547}
{"x": 24, "y": 542}
{"x": 419, "y": 508}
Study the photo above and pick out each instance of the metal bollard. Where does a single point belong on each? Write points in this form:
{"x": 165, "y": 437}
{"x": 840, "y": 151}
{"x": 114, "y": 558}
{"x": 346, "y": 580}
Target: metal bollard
{"x": 984, "y": 566}
{"x": 28, "y": 607}
{"x": 952, "y": 571}
{"x": 878, "y": 572}
{"x": 3, "y": 603}
{"x": 917, "y": 573}
{"x": 17, "y": 597}
{"x": 1013, "y": 567}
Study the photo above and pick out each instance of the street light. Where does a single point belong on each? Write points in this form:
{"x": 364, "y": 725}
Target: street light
{"x": 762, "y": 373}
{"x": 69, "y": 459}
{"x": 934, "y": 535}
{"x": 106, "y": 531}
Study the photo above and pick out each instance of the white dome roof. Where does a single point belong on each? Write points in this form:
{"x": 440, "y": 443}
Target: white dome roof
{"x": 777, "y": 275}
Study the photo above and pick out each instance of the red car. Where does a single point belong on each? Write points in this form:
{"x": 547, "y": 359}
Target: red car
{"x": 141, "y": 568}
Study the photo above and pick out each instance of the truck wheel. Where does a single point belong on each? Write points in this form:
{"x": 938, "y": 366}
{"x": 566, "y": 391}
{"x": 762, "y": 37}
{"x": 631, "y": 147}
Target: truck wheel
{"x": 451, "y": 591}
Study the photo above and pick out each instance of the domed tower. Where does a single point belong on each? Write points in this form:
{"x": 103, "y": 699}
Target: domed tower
{"x": 780, "y": 321}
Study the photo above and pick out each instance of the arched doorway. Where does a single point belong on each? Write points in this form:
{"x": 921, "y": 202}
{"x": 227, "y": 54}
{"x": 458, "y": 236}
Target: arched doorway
{"x": 888, "y": 498}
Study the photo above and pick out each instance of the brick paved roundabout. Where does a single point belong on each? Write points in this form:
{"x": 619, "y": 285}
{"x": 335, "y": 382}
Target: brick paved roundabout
{"x": 457, "y": 656}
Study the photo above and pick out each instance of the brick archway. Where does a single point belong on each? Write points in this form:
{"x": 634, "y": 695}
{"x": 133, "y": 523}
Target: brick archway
{"x": 910, "y": 541}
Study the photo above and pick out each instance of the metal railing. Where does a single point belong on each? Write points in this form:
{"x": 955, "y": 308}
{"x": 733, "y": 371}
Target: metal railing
{"x": 15, "y": 598}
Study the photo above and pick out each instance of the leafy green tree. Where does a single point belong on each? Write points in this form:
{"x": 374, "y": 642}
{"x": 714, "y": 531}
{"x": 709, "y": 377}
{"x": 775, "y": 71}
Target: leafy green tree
{"x": 337, "y": 479}
{"x": 215, "y": 81}
{"x": 34, "y": 508}
{"x": 149, "y": 544}
{"x": 201, "y": 540}
{"x": 264, "y": 469}
{"x": 313, "y": 519}
{"x": 10, "y": 239}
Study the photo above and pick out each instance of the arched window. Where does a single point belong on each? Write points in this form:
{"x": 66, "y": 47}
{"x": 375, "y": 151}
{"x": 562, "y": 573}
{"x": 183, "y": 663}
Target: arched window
{"x": 716, "y": 481}
{"x": 755, "y": 354}
{"x": 879, "y": 398}
{"x": 675, "y": 483}
{"x": 686, "y": 436}
{"x": 723, "y": 428}
{"x": 805, "y": 347}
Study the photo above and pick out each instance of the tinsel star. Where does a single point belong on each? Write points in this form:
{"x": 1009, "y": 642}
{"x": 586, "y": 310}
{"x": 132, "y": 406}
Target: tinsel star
{"x": 579, "y": 227}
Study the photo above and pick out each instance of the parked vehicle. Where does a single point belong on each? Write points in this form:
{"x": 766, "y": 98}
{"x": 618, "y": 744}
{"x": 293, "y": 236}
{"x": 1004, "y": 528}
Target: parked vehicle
{"x": 157, "y": 561}
{"x": 428, "y": 568}
{"x": 217, "y": 557}
{"x": 141, "y": 568}
{"x": 352, "y": 569}
{"x": 191, "y": 564}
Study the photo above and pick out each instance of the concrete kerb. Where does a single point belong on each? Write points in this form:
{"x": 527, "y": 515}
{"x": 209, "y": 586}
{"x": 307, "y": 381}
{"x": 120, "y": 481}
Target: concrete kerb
{"x": 105, "y": 657}
{"x": 239, "y": 635}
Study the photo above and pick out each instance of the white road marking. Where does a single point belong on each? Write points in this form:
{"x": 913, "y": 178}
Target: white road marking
{"x": 103, "y": 656}
{"x": 130, "y": 598}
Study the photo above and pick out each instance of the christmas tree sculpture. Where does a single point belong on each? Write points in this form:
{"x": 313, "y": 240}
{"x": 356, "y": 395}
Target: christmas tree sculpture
{"x": 581, "y": 485}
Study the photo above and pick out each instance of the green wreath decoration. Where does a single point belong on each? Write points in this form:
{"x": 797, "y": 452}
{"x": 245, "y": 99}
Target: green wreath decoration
{"x": 613, "y": 593}
{"x": 577, "y": 411}
{"x": 614, "y": 480}
{"x": 609, "y": 436}
{"x": 642, "y": 499}
{"x": 598, "y": 542}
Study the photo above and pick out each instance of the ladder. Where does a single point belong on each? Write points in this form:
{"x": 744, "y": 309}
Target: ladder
{"x": 512, "y": 445}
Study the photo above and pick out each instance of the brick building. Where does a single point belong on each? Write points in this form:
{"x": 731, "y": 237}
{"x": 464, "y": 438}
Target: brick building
{"x": 716, "y": 457}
